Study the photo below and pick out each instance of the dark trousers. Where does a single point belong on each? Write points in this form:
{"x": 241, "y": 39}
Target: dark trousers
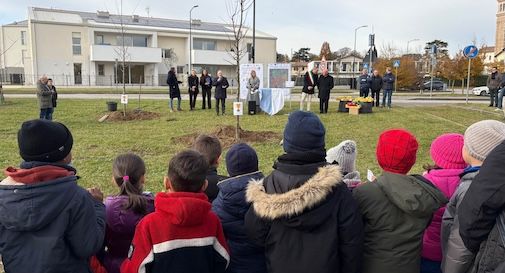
{"x": 192, "y": 99}
{"x": 493, "y": 97}
{"x": 428, "y": 266}
{"x": 46, "y": 113}
{"x": 364, "y": 92}
{"x": 376, "y": 96}
{"x": 223, "y": 105}
{"x": 206, "y": 95}
{"x": 323, "y": 105}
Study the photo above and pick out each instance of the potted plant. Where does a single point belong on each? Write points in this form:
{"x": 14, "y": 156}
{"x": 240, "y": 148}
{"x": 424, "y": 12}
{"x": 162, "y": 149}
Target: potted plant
{"x": 353, "y": 107}
{"x": 366, "y": 104}
{"x": 342, "y": 103}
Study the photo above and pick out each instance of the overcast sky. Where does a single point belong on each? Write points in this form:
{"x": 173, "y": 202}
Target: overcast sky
{"x": 309, "y": 23}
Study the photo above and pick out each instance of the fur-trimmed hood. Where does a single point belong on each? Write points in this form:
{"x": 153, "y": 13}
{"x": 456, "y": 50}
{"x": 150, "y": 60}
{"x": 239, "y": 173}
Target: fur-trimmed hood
{"x": 292, "y": 203}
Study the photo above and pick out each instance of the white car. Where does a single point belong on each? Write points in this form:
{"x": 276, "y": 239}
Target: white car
{"x": 481, "y": 91}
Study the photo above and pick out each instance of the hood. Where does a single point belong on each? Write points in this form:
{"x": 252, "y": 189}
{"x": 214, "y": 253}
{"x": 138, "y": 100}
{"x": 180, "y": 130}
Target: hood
{"x": 31, "y": 207}
{"x": 183, "y": 208}
{"x": 232, "y": 193}
{"x": 121, "y": 220}
{"x": 306, "y": 199}
{"x": 413, "y": 195}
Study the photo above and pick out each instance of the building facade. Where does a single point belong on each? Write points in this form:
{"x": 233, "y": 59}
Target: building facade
{"x": 84, "y": 48}
{"x": 500, "y": 27}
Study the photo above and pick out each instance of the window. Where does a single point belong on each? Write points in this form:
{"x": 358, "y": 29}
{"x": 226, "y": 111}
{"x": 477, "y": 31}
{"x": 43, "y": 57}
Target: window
{"x": 249, "y": 51}
{"x": 180, "y": 69}
{"x": 101, "y": 70}
{"x": 23, "y": 56}
{"x": 140, "y": 41}
{"x": 99, "y": 40}
{"x": 23, "y": 37}
{"x": 76, "y": 43}
{"x": 137, "y": 40}
{"x": 166, "y": 53}
{"x": 127, "y": 40}
{"x": 200, "y": 44}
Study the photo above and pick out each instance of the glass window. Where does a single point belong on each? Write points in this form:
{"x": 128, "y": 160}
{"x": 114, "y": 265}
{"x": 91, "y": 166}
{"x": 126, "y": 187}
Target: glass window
{"x": 140, "y": 41}
{"x": 166, "y": 53}
{"x": 76, "y": 43}
{"x": 23, "y": 37}
{"x": 99, "y": 40}
{"x": 200, "y": 44}
{"x": 128, "y": 41}
{"x": 101, "y": 70}
{"x": 180, "y": 69}
{"x": 23, "y": 56}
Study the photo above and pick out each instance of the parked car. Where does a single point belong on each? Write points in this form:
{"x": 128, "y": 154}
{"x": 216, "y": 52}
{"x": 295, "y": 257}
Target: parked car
{"x": 437, "y": 85}
{"x": 481, "y": 91}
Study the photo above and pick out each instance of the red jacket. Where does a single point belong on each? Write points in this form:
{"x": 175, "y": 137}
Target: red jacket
{"x": 181, "y": 235}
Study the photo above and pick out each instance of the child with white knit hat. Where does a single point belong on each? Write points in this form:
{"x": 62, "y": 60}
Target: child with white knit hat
{"x": 344, "y": 155}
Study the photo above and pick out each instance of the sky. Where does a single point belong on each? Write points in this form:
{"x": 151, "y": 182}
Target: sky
{"x": 300, "y": 23}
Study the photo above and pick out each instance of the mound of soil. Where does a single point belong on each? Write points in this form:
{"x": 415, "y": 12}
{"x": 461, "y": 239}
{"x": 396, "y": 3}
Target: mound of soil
{"x": 226, "y": 135}
{"x": 136, "y": 114}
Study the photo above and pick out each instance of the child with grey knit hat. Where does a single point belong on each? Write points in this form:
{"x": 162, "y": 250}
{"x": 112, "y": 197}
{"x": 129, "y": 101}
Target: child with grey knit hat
{"x": 479, "y": 140}
{"x": 344, "y": 155}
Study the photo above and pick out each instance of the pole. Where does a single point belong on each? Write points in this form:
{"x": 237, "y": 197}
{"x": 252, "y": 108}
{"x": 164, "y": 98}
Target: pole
{"x": 353, "y": 59}
{"x": 396, "y": 81}
{"x": 431, "y": 83}
{"x": 254, "y": 33}
{"x": 468, "y": 80}
{"x": 190, "y": 66}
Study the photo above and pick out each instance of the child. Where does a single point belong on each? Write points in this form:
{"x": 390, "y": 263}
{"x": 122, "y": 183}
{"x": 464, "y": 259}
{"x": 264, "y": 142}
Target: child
{"x": 396, "y": 208}
{"x": 231, "y": 207}
{"x": 47, "y": 222}
{"x": 182, "y": 235}
{"x": 125, "y": 210}
{"x": 446, "y": 153}
{"x": 210, "y": 147}
{"x": 344, "y": 155}
{"x": 480, "y": 139}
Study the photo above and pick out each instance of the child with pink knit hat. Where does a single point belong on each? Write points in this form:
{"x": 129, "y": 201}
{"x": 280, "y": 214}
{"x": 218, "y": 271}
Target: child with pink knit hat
{"x": 446, "y": 153}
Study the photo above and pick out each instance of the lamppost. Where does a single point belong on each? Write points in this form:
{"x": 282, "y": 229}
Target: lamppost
{"x": 413, "y": 40}
{"x": 354, "y": 56}
{"x": 254, "y": 34}
{"x": 191, "y": 39}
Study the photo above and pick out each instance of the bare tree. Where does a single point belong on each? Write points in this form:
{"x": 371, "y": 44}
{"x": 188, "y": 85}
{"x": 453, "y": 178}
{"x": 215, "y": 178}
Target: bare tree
{"x": 122, "y": 52}
{"x": 388, "y": 51}
{"x": 237, "y": 14}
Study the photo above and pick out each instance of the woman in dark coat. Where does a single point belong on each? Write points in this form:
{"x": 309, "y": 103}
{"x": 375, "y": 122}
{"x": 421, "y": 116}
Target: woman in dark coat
{"x": 221, "y": 84}
{"x": 193, "y": 89}
{"x": 175, "y": 92}
{"x": 206, "y": 83}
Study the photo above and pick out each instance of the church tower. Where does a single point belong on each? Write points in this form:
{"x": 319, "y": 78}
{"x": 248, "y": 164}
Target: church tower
{"x": 500, "y": 27}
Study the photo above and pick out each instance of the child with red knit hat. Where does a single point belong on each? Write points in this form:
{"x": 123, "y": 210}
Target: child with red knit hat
{"x": 396, "y": 208}
{"x": 446, "y": 153}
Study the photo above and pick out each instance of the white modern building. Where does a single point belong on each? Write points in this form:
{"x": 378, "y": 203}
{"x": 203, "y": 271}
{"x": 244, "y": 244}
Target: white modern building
{"x": 85, "y": 48}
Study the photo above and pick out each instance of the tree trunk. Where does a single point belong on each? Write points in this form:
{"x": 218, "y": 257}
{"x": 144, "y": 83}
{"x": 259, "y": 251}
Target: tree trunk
{"x": 237, "y": 130}
{"x": 2, "y": 99}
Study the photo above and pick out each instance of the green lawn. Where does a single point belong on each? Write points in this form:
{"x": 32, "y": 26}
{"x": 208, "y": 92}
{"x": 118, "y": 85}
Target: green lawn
{"x": 96, "y": 144}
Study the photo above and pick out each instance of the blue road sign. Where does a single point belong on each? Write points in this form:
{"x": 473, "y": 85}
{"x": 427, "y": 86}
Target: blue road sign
{"x": 471, "y": 51}
{"x": 396, "y": 63}
{"x": 365, "y": 66}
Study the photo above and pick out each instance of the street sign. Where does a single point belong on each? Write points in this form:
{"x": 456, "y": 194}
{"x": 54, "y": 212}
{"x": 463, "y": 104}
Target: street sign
{"x": 471, "y": 51}
{"x": 365, "y": 66}
{"x": 396, "y": 63}
{"x": 124, "y": 99}
{"x": 238, "y": 108}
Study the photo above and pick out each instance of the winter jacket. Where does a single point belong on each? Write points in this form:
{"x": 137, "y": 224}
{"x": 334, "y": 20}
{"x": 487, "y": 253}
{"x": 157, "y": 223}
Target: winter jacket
{"x": 396, "y": 210}
{"x": 231, "y": 207}
{"x": 309, "y": 81}
{"x": 221, "y": 86}
{"x": 485, "y": 200}
{"x": 253, "y": 84}
{"x": 47, "y": 222}
{"x": 206, "y": 82}
{"x": 376, "y": 83}
{"x": 324, "y": 85}
{"x": 494, "y": 81}
{"x": 446, "y": 180}
{"x": 54, "y": 97}
{"x": 491, "y": 256}
{"x": 193, "y": 81}
{"x": 182, "y": 235}
{"x": 456, "y": 257}
{"x": 44, "y": 96}
{"x": 173, "y": 85}
{"x": 388, "y": 81}
{"x": 120, "y": 230}
{"x": 306, "y": 219}
{"x": 364, "y": 82}
{"x": 213, "y": 178}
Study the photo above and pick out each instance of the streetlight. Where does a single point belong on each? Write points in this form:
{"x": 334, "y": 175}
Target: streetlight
{"x": 413, "y": 40}
{"x": 191, "y": 39}
{"x": 354, "y": 55}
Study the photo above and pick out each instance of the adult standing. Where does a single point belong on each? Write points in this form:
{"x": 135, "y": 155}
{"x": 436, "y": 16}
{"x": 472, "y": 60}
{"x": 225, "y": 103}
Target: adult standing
{"x": 193, "y": 89}
{"x": 388, "y": 85}
{"x": 493, "y": 83}
{"x": 376, "y": 86}
{"x": 309, "y": 84}
{"x": 206, "y": 84}
{"x": 52, "y": 88}
{"x": 253, "y": 86}
{"x": 175, "y": 92}
{"x": 221, "y": 84}
{"x": 364, "y": 84}
{"x": 324, "y": 85}
{"x": 45, "y": 98}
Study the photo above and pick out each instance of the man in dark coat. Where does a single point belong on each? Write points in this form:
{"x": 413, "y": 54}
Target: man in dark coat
{"x": 309, "y": 85}
{"x": 364, "y": 84}
{"x": 376, "y": 86}
{"x": 303, "y": 213}
{"x": 324, "y": 85}
{"x": 221, "y": 84}
{"x": 175, "y": 92}
{"x": 389, "y": 84}
{"x": 494, "y": 81}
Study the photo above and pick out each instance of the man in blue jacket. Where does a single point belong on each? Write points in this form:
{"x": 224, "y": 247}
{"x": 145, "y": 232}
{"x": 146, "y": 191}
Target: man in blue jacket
{"x": 388, "y": 86}
{"x": 364, "y": 84}
{"x": 47, "y": 222}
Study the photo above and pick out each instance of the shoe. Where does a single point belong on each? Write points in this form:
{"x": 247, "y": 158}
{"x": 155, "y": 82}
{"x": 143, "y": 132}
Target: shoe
{"x": 180, "y": 110}
{"x": 497, "y": 109}
{"x": 171, "y": 110}
{"x": 490, "y": 105}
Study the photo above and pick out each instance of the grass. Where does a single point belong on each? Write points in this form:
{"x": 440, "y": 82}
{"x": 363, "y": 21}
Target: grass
{"x": 96, "y": 144}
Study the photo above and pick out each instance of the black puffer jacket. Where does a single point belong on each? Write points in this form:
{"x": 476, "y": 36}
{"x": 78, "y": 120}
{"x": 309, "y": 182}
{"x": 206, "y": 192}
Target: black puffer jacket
{"x": 376, "y": 83}
{"x": 306, "y": 219}
{"x": 491, "y": 256}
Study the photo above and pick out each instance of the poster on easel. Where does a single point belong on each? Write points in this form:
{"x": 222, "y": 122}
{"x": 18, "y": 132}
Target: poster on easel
{"x": 245, "y": 74}
{"x": 278, "y": 75}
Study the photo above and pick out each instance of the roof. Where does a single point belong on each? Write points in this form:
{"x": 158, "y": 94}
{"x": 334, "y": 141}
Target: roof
{"x": 90, "y": 17}
{"x": 487, "y": 49}
{"x": 23, "y": 23}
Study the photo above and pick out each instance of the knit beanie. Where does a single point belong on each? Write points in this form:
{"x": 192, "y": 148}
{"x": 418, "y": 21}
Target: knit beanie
{"x": 241, "y": 159}
{"x": 303, "y": 132}
{"x": 446, "y": 151}
{"x": 397, "y": 151}
{"x": 43, "y": 140}
{"x": 344, "y": 155}
{"x": 482, "y": 137}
